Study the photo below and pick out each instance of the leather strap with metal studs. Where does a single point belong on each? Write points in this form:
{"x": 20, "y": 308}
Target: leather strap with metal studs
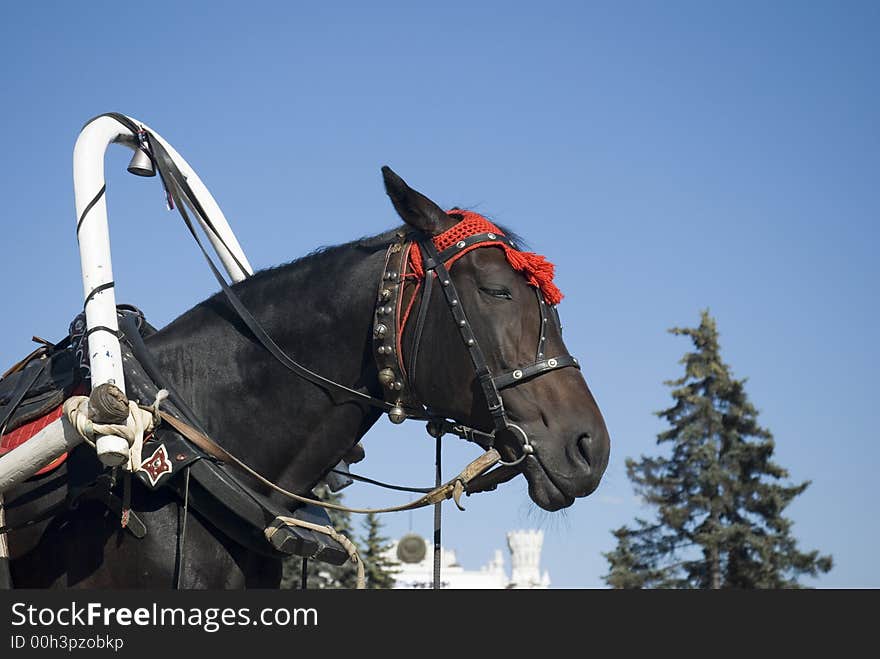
{"x": 395, "y": 388}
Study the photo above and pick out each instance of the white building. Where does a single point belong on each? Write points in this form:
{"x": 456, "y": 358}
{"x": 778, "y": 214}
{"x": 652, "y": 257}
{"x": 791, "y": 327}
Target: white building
{"x": 415, "y": 558}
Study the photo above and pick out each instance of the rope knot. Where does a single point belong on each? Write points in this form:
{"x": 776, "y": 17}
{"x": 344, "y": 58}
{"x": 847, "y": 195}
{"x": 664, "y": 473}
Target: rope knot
{"x": 139, "y": 421}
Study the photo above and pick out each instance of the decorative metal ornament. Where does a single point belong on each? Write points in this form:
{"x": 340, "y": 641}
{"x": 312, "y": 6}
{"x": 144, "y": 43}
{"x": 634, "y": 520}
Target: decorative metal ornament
{"x": 386, "y": 377}
{"x": 396, "y": 414}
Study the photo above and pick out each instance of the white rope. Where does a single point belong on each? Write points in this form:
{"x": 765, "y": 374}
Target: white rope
{"x": 139, "y": 422}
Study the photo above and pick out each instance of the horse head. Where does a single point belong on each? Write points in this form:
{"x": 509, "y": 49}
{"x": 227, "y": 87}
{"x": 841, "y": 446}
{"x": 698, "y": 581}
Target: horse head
{"x": 506, "y": 320}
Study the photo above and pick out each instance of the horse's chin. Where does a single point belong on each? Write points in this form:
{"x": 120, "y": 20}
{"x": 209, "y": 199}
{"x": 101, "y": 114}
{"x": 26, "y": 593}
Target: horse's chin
{"x": 542, "y": 490}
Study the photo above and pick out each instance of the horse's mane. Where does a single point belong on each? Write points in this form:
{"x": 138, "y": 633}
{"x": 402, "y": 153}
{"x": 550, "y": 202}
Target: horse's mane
{"x": 319, "y": 258}
{"x": 368, "y": 244}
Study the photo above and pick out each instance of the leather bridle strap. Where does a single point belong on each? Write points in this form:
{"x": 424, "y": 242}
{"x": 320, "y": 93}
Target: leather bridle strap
{"x": 419, "y": 327}
{"x": 463, "y": 244}
{"x": 534, "y": 369}
{"x": 433, "y": 263}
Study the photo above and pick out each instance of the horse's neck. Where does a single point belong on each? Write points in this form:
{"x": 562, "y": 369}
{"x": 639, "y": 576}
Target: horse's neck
{"x": 288, "y": 428}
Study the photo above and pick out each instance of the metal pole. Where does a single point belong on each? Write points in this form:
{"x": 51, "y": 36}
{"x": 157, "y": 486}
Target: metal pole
{"x": 94, "y": 246}
{"x": 437, "y": 509}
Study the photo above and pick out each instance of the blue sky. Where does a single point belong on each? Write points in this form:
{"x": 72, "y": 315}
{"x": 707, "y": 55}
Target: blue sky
{"x": 668, "y": 157}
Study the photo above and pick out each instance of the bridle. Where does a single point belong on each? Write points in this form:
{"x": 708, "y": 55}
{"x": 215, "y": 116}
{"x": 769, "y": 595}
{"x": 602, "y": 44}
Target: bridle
{"x": 390, "y": 321}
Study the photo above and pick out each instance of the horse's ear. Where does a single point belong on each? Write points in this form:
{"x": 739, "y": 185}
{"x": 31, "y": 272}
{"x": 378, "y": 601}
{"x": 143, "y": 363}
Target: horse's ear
{"x": 415, "y": 208}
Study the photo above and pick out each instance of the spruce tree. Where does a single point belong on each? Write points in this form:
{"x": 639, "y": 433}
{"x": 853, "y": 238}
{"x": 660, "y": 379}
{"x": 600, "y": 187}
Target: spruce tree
{"x": 324, "y": 575}
{"x": 378, "y": 568}
{"x": 718, "y": 496}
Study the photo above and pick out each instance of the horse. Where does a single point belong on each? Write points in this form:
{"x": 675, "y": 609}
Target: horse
{"x": 322, "y": 309}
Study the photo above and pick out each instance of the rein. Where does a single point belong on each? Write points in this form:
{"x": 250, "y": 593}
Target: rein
{"x": 452, "y": 489}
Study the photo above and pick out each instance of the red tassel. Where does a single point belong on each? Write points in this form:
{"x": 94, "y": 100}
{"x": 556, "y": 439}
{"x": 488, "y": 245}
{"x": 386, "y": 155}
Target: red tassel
{"x": 537, "y": 270}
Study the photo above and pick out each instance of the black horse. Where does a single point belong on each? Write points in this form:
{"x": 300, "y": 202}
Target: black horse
{"x": 320, "y": 309}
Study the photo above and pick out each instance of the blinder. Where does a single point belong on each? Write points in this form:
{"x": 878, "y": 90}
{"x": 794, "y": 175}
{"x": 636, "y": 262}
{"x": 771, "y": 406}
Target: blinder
{"x": 389, "y": 326}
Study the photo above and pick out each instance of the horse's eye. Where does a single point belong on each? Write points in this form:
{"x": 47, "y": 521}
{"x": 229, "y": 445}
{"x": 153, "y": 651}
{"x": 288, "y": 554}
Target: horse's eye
{"x": 500, "y": 292}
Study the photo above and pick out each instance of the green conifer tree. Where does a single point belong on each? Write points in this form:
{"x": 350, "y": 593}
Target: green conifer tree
{"x": 379, "y": 570}
{"x": 718, "y": 498}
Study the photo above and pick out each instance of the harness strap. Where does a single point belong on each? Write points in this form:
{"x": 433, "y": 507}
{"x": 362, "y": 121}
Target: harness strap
{"x": 535, "y": 368}
{"x": 420, "y": 326}
{"x": 176, "y": 186}
{"x": 51, "y": 511}
{"x": 387, "y": 329}
{"x": 21, "y": 388}
{"x": 38, "y": 352}
{"x": 432, "y": 262}
{"x": 452, "y": 489}
{"x": 183, "y": 514}
{"x": 463, "y": 244}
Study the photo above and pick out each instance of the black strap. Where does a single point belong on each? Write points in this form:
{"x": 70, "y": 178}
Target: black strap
{"x": 177, "y": 187}
{"x": 89, "y": 207}
{"x": 399, "y": 488}
{"x": 420, "y": 325}
{"x": 128, "y": 324}
{"x": 463, "y": 244}
{"x": 535, "y": 368}
{"x": 51, "y": 511}
{"x": 493, "y": 399}
{"x": 183, "y": 513}
{"x": 21, "y": 388}
{"x": 102, "y": 328}
{"x": 96, "y": 290}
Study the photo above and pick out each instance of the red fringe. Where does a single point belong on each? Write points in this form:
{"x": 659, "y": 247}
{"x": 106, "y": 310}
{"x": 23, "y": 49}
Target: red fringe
{"x": 537, "y": 270}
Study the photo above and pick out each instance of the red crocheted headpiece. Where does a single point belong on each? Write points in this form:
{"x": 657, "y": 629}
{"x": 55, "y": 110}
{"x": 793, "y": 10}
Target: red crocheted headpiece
{"x": 537, "y": 270}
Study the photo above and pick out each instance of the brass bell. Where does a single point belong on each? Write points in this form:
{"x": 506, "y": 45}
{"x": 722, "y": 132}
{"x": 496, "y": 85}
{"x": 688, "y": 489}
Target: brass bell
{"x": 396, "y": 414}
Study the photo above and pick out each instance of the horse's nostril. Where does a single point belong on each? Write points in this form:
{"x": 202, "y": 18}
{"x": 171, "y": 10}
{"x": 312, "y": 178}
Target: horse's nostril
{"x": 584, "y": 443}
